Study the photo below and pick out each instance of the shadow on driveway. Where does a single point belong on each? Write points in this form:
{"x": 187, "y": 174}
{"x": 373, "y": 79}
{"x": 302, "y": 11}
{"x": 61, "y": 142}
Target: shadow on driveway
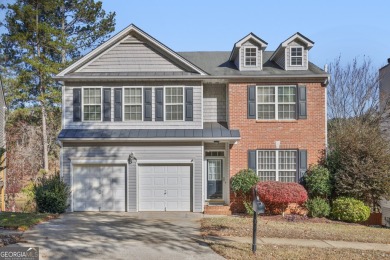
{"x": 120, "y": 236}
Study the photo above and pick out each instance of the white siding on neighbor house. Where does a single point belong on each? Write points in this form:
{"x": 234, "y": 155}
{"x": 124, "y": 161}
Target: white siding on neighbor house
{"x": 259, "y": 56}
{"x": 130, "y": 55}
{"x": 385, "y": 207}
{"x": 143, "y": 152}
{"x": 197, "y": 108}
{"x": 304, "y": 60}
{"x": 214, "y": 103}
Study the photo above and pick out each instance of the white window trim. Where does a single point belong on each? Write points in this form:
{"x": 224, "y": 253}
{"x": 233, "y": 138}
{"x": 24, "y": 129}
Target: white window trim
{"x": 300, "y": 47}
{"x": 276, "y": 103}
{"x": 165, "y": 104}
{"x": 82, "y": 103}
{"x": 257, "y": 57}
{"x": 215, "y": 150}
{"x": 276, "y": 161}
{"x": 123, "y": 102}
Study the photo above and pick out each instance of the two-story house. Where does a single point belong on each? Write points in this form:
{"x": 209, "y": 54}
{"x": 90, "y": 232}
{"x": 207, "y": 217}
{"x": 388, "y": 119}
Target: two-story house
{"x": 146, "y": 128}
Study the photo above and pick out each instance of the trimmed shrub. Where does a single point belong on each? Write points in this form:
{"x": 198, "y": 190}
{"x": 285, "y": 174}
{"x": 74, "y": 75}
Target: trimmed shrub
{"x": 349, "y": 210}
{"x": 317, "y": 182}
{"x": 318, "y": 207}
{"x": 277, "y": 195}
{"x": 242, "y": 184}
{"x": 51, "y": 194}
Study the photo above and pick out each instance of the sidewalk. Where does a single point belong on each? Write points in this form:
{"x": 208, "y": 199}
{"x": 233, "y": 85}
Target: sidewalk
{"x": 303, "y": 243}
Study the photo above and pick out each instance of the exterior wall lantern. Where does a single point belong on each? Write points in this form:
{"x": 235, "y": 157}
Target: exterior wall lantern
{"x": 131, "y": 158}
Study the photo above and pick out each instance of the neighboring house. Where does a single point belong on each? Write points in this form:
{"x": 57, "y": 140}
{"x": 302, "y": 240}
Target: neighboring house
{"x": 384, "y": 86}
{"x": 146, "y": 128}
{"x": 3, "y": 109}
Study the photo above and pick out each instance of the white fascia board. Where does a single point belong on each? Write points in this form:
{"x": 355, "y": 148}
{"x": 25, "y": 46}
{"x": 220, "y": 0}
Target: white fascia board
{"x": 250, "y": 36}
{"x": 119, "y": 36}
{"x": 309, "y": 44}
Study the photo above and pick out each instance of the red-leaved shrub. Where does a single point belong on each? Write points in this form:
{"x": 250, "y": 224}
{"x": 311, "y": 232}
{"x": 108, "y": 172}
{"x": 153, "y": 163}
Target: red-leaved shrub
{"x": 277, "y": 195}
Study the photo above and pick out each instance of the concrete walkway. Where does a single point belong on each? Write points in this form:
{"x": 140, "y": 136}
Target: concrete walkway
{"x": 303, "y": 242}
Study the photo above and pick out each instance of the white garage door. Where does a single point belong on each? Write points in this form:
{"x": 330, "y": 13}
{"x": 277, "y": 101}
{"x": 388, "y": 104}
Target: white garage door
{"x": 165, "y": 188}
{"x": 99, "y": 188}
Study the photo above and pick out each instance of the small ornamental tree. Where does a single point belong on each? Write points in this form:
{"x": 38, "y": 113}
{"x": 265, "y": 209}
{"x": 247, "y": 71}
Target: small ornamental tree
{"x": 277, "y": 195}
{"x": 242, "y": 184}
{"x": 317, "y": 182}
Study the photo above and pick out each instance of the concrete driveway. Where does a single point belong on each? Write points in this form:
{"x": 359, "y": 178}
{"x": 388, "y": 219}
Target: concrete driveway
{"x": 120, "y": 236}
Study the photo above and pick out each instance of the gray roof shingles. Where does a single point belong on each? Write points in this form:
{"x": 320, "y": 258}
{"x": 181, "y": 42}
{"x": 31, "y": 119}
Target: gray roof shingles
{"x": 210, "y": 130}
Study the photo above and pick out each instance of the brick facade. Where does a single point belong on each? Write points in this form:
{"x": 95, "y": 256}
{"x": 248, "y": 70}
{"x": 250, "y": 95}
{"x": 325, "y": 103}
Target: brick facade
{"x": 306, "y": 134}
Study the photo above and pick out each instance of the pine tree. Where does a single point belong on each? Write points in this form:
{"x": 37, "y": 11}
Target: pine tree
{"x": 42, "y": 37}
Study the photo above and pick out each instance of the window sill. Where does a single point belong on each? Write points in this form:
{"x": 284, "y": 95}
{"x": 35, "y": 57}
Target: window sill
{"x": 277, "y": 121}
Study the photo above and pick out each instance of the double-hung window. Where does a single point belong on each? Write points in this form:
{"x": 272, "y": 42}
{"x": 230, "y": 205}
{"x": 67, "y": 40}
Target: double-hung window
{"x": 276, "y": 102}
{"x": 92, "y": 104}
{"x": 250, "y": 57}
{"x": 277, "y": 165}
{"x": 296, "y": 56}
{"x": 133, "y": 104}
{"x": 174, "y": 103}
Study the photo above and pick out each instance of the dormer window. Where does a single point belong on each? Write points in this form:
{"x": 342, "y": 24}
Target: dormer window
{"x": 250, "y": 57}
{"x": 296, "y": 56}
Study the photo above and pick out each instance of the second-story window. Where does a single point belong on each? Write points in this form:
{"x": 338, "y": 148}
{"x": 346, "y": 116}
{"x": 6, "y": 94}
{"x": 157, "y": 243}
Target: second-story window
{"x": 250, "y": 57}
{"x": 276, "y": 102}
{"x": 174, "y": 103}
{"x": 296, "y": 56}
{"x": 133, "y": 104}
{"x": 92, "y": 107}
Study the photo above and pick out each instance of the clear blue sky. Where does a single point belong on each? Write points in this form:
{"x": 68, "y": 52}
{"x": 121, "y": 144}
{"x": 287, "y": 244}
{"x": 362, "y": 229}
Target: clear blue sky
{"x": 347, "y": 28}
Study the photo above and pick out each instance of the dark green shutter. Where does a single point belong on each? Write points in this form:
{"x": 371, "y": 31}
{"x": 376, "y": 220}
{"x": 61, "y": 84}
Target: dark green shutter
{"x": 159, "y": 110}
{"x": 302, "y": 102}
{"x": 252, "y": 160}
{"x": 107, "y": 104}
{"x": 147, "y": 104}
{"x": 77, "y": 104}
{"x": 189, "y": 103}
{"x": 302, "y": 166}
{"x": 117, "y": 104}
{"x": 252, "y": 102}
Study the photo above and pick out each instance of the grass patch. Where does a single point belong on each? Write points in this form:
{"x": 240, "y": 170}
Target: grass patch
{"x": 281, "y": 228}
{"x": 233, "y": 250}
{"x": 23, "y": 221}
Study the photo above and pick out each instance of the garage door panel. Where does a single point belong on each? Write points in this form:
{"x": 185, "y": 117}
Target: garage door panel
{"x": 164, "y": 188}
{"x": 99, "y": 188}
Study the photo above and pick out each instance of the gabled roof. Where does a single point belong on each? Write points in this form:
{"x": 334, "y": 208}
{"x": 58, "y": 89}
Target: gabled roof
{"x": 308, "y": 43}
{"x": 117, "y": 38}
{"x": 250, "y": 36}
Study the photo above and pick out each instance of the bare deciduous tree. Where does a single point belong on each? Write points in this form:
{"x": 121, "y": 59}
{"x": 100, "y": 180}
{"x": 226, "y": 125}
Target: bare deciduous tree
{"x": 353, "y": 90}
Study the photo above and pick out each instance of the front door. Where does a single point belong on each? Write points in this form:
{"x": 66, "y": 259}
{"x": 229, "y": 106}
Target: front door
{"x": 214, "y": 179}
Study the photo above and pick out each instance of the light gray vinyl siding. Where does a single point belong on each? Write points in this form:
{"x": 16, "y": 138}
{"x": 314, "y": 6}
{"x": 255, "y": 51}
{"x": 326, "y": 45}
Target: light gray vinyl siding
{"x": 195, "y": 124}
{"x": 130, "y": 55}
{"x": 214, "y": 146}
{"x": 214, "y": 103}
{"x": 259, "y": 56}
{"x": 149, "y": 151}
{"x": 385, "y": 207}
{"x": 305, "y": 57}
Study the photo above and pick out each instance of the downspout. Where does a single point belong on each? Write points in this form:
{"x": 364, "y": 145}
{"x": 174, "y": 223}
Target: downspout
{"x": 326, "y": 82}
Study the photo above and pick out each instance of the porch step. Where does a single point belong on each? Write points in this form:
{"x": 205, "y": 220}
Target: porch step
{"x": 217, "y": 210}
